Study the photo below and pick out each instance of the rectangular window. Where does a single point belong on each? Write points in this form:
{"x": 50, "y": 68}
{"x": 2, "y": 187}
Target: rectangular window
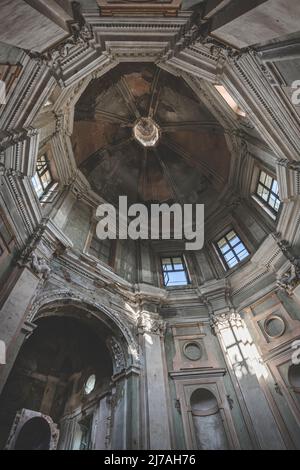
{"x": 42, "y": 180}
{"x": 100, "y": 249}
{"x": 231, "y": 249}
{"x": 268, "y": 191}
{"x": 174, "y": 271}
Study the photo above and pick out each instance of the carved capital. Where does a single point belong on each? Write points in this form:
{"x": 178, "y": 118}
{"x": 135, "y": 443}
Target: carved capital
{"x": 150, "y": 324}
{"x": 39, "y": 265}
{"x": 218, "y": 322}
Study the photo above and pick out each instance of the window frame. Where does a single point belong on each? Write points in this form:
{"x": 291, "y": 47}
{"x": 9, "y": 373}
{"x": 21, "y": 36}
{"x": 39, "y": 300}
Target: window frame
{"x": 265, "y": 204}
{"x": 51, "y": 187}
{"x": 232, "y": 249}
{"x": 89, "y": 239}
{"x": 93, "y": 237}
{"x": 185, "y": 270}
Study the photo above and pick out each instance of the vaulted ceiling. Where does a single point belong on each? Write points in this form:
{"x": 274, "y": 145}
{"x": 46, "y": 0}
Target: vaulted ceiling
{"x": 190, "y": 160}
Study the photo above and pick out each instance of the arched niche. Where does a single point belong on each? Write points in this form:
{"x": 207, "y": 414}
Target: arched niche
{"x": 34, "y": 435}
{"x": 208, "y": 423}
{"x": 70, "y": 369}
{"x": 32, "y": 430}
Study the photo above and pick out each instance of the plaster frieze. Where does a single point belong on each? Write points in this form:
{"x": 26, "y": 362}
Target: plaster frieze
{"x": 290, "y": 279}
{"x": 116, "y": 350}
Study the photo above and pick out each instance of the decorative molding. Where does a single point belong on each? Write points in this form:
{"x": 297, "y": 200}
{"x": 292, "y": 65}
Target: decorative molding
{"x": 151, "y": 324}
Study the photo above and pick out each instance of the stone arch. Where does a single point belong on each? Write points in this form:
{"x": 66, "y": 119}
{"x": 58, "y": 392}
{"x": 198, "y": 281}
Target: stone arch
{"x": 109, "y": 399}
{"x": 32, "y": 430}
{"x": 122, "y": 343}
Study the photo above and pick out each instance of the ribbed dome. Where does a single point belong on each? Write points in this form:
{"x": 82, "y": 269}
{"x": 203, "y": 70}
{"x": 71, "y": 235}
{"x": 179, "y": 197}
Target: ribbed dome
{"x": 190, "y": 141}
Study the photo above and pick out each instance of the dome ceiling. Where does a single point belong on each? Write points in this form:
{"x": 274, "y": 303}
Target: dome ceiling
{"x": 141, "y": 132}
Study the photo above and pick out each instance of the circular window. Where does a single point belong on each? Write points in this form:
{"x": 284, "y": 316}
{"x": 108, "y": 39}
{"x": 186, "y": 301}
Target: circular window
{"x": 90, "y": 384}
{"x": 192, "y": 351}
{"x": 274, "y": 326}
{"x": 294, "y": 377}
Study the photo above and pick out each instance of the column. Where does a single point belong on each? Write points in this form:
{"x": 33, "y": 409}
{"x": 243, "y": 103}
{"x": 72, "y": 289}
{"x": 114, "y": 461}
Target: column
{"x": 12, "y": 315}
{"x": 251, "y": 377}
{"x": 156, "y": 418}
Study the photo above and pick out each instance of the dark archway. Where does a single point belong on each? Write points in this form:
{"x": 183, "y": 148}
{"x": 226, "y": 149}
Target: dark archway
{"x": 51, "y": 373}
{"x": 34, "y": 435}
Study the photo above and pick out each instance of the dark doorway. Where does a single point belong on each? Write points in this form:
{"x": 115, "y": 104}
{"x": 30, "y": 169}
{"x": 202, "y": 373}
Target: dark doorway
{"x": 34, "y": 435}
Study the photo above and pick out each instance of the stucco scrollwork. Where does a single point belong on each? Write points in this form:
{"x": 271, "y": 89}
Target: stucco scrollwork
{"x": 225, "y": 320}
{"x": 39, "y": 265}
{"x": 291, "y": 278}
{"x": 117, "y": 355}
{"x": 150, "y": 324}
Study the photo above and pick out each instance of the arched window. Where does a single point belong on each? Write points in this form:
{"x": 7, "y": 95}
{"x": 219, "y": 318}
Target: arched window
{"x": 208, "y": 424}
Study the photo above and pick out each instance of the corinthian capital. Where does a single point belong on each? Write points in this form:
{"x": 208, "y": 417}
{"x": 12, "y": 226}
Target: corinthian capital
{"x": 151, "y": 324}
{"x": 224, "y": 320}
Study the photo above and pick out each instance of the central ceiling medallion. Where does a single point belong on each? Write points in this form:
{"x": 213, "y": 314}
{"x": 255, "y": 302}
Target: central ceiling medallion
{"x": 146, "y": 132}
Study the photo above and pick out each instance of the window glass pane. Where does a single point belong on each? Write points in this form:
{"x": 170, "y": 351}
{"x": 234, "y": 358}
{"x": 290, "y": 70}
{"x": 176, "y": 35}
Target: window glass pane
{"x": 166, "y": 261}
{"x": 231, "y": 235}
{"x": 166, "y": 278}
{"x": 229, "y": 256}
{"x": 177, "y": 278}
{"x": 225, "y": 249}
{"x": 268, "y": 191}
{"x": 275, "y": 188}
{"x": 222, "y": 242}
{"x": 265, "y": 194}
{"x": 174, "y": 271}
{"x": 46, "y": 179}
{"x": 260, "y": 190}
{"x": 239, "y": 248}
{"x": 177, "y": 263}
{"x": 268, "y": 182}
{"x": 232, "y": 263}
{"x": 243, "y": 254}
{"x": 234, "y": 241}
{"x": 42, "y": 180}
{"x": 37, "y": 185}
{"x": 262, "y": 177}
{"x": 272, "y": 200}
{"x": 100, "y": 249}
{"x": 236, "y": 253}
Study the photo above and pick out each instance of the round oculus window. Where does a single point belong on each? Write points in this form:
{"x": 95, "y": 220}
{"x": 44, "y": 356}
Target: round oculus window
{"x": 192, "y": 351}
{"x": 274, "y": 326}
{"x": 90, "y": 384}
